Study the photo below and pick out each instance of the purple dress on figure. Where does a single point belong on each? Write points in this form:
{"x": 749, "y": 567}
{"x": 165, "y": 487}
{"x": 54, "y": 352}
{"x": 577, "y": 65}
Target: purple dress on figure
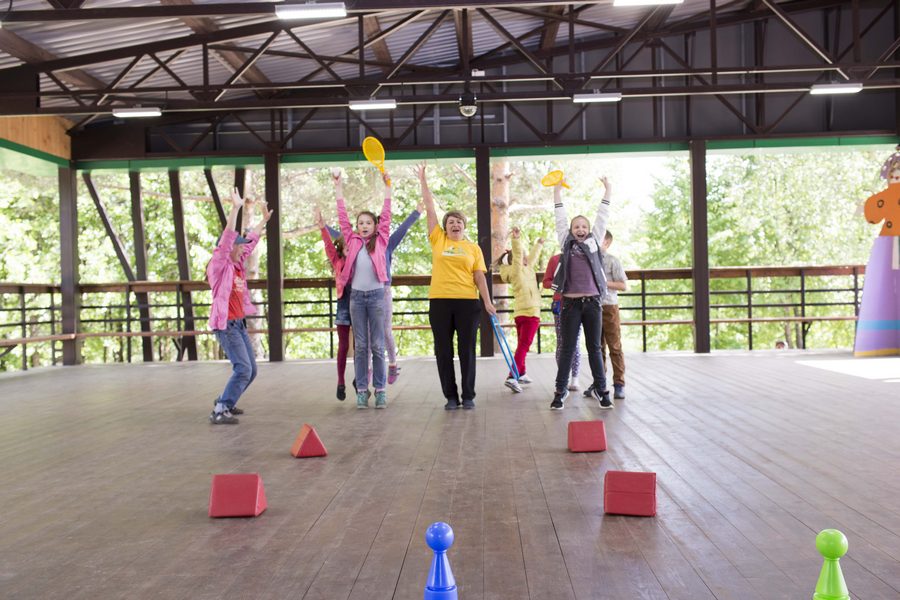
{"x": 878, "y": 327}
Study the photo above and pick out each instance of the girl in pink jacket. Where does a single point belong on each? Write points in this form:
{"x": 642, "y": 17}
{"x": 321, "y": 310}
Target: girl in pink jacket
{"x": 230, "y": 305}
{"x": 365, "y": 272}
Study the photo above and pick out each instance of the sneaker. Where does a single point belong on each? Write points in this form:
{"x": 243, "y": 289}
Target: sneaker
{"x": 525, "y": 379}
{"x": 512, "y": 384}
{"x": 589, "y": 392}
{"x": 393, "y": 373}
{"x": 341, "y": 392}
{"x": 559, "y": 399}
{"x": 619, "y": 391}
{"x": 468, "y": 404}
{"x": 223, "y": 418}
{"x": 362, "y": 399}
{"x": 380, "y": 400}
{"x": 573, "y": 384}
{"x": 602, "y": 398}
{"x": 234, "y": 409}
{"x": 452, "y": 404}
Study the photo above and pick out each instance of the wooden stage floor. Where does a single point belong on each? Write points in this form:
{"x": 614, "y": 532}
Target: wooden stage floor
{"x": 106, "y": 473}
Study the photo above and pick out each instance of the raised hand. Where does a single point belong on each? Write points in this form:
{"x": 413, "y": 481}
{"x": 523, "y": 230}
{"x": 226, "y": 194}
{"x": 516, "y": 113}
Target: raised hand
{"x": 336, "y": 175}
{"x": 386, "y": 179}
{"x": 317, "y": 217}
{"x": 420, "y": 172}
{"x": 236, "y": 200}
{"x": 607, "y": 186}
{"x": 516, "y": 233}
{"x": 265, "y": 213}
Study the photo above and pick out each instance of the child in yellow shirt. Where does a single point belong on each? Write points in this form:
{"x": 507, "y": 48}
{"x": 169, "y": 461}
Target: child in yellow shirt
{"x": 519, "y": 272}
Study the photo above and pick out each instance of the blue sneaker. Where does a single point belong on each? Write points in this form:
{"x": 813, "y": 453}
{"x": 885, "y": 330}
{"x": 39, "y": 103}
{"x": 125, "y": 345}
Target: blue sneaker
{"x": 362, "y": 399}
{"x": 380, "y": 400}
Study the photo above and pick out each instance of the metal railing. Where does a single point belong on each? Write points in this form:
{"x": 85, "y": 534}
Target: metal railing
{"x": 746, "y": 298}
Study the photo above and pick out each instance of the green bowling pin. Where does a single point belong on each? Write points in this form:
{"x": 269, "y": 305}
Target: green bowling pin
{"x": 832, "y": 545}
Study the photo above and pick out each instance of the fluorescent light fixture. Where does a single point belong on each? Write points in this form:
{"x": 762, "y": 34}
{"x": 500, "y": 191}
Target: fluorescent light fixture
{"x": 597, "y": 97}
{"x": 137, "y": 111}
{"x": 645, "y": 2}
{"x": 386, "y": 104}
{"x": 835, "y": 88}
{"x": 477, "y": 73}
{"x": 311, "y": 10}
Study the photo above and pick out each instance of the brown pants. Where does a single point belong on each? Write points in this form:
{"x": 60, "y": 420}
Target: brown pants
{"x": 612, "y": 337}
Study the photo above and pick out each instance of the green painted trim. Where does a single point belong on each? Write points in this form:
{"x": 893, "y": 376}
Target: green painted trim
{"x": 29, "y": 151}
{"x": 802, "y": 142}
{"x": 654, "y": 147}
{"x": 166, "y": 164}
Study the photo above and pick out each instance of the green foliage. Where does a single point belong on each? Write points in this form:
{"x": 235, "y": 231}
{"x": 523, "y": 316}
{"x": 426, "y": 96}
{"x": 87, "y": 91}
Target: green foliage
{"x": 764, "y": 209}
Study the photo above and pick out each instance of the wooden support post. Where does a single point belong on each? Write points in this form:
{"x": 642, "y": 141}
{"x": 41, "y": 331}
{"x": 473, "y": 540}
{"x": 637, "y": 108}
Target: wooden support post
{"x": 483, "y": 216}
{"x": 111, "y": 233}
{"x": 240, "y": 180}
{"x": 140, "y": 260}
{"x": 274, "y": 262}
{"x": 68, "y": 247}
{"x": 184, "y": 266}
{"x": 700, "y": 237}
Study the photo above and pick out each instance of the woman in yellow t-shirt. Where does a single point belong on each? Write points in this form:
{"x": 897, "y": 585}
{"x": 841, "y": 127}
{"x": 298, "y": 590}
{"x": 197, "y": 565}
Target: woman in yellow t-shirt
{"x": 457, "y": 277}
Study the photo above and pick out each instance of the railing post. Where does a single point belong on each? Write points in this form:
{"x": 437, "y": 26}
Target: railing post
{"x": 68, "y": 245}
{"x": 749, "y": 309}
{"x": 24, "y": 324}
{"x": 700, "y": 263}
{"x": 185, "y": 304}
{"x": 644, "y": 311}
{"x": 803, "y": 309}
{"x": 330, "y": 322}
{"x": 140, "y": 260}
{"x": 52, "y": 327}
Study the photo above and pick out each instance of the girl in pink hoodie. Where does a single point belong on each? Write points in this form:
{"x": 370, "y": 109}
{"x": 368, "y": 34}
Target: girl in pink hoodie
{"x": 230, "y": 304}
{"x": 365, "y": 272}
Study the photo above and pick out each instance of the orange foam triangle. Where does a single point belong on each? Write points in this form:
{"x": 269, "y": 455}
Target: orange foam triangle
{"x": 308, "y": 443}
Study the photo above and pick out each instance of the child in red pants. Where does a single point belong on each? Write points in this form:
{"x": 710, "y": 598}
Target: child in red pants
{"x": 519, "y": 272}
{"x": 334, "y": 249}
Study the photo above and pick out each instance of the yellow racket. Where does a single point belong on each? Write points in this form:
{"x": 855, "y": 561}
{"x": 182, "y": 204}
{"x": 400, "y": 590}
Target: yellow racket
{"x": 374, "y": 152}
{"x": 552, "y": 178}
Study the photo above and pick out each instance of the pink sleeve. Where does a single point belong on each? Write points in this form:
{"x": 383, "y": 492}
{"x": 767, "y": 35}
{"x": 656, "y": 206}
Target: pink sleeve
{"x": 384, "y": 223}
{"x": 329, "y": 248}
{"x": 344, "y": 220}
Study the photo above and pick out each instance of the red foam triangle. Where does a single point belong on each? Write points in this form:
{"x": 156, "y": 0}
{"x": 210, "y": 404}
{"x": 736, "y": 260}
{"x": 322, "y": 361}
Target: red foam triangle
{"x": 308, "y": 443}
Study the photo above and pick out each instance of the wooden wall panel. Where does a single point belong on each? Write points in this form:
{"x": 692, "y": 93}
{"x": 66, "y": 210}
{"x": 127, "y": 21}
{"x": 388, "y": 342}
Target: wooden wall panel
{"x": 47, "y": 134}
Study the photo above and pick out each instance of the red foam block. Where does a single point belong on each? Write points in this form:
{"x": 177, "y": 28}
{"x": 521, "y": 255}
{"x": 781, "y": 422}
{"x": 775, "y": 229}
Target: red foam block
{"x": 629, "y": 493}
{"x": 587, "y": 436}
{"x": 237, "y": 495}
{"x": 308, "y": 443}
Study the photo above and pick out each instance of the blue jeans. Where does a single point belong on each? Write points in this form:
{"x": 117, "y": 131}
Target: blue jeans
{"x": 236, "y": 344}
{"x": 367, "y": 315}
{"x": 342, "y": 314}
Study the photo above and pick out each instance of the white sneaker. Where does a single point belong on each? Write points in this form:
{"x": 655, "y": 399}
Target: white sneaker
{"x": 573, "y": 384}
{"x": 525, "y": 379}
{"x": 512, "y": 384}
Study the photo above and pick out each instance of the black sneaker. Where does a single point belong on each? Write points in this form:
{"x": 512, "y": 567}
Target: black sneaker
{"x": 452, "y": 404}
{"x": 603, "y": 399}
{"x": 468, "y": 404}
{"x": 223, "y": 418}
{"x": 342, "y": 392}
{"x": 559, "y": 399}
{"x": 589, "y": 391}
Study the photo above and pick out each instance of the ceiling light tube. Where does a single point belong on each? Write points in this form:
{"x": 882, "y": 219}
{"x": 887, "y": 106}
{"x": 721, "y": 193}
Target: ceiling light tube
{"x": 645, "y": 2}
{"x": 597, "y": 97}
{"x": 820, "y": 89}
{"x": 385, "y": 104}
{"x": 311, "y": 10}
{"x": 137, "y": 112}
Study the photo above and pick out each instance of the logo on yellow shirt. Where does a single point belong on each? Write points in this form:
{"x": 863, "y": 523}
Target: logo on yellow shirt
{"x": 453, "y": 251}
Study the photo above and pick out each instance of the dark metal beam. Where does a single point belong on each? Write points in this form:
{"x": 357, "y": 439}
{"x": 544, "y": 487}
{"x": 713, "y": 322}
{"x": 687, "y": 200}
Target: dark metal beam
{"x": 429, "y": 31}
{"x": 801, "y": 35}
{"x": 220, "y": 210}
{"x": 483, "y": 217}
{"x": 188, "y": 343}
{"x": 69, "y": 279}
{"x": 622, "y": 42}
{"x": 700, "y": 245}
{"x": 140, "y": 260}
{"x": 529, "y": 57}
{"x": 274, "y": 261}
{"x": 111, "y": 232}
